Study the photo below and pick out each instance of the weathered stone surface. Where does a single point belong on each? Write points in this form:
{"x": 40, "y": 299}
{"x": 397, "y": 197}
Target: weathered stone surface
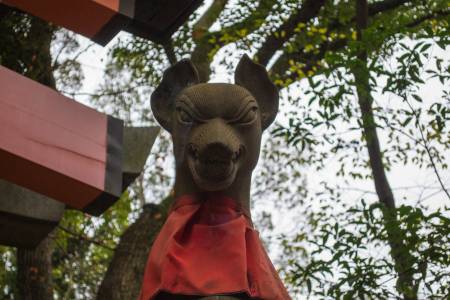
{"x": 26, "y": 217}
{"x": 208, "y": 245}
{"x": 137, "y": 143}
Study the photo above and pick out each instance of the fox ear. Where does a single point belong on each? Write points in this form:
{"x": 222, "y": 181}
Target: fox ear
{"x": 175, "y": 79}
{"x": 255, "y": 79}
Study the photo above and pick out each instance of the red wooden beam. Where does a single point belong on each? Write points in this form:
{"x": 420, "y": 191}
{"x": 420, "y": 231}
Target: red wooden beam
{"x": 101, "y": 20}
{"x": 57, "y": 147}
{"x": 27, "y": 217}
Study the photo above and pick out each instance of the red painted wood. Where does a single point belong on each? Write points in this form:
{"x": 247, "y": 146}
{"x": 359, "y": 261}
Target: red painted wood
{"x": 50, "y": 143}
{"x": 101, "y": 20}
{"x": 86, "y": 17}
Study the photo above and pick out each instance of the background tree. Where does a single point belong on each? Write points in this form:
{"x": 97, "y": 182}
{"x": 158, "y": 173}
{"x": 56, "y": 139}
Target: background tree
{"x": 351, "y": 74}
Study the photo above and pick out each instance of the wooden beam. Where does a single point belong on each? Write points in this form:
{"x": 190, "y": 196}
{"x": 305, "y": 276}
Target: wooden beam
{"x": 55, "y": 152}
{"x": 27, "y": 217}
{"x": 56, "y": 146}
{"x": 137, "y": 143}
{"x": 101, "y": 20}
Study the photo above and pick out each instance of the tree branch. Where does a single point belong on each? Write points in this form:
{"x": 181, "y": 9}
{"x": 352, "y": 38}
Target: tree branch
{"x": 403, "y": 260}
{"x": 309, "y": 60}
{"x": 84, "y": 238}
{"x": 208, "y": 19}
{"x": 208, "y": 43}
{"x": 436, "y": 14}
{"x": 281, "y": 66}
{"x": 365, "y": 100}
{"x": 427, "y": 148}
{"x": 275, "y": 41}
{"x": 379, "y": 7}
{"x": 170, "y": 52}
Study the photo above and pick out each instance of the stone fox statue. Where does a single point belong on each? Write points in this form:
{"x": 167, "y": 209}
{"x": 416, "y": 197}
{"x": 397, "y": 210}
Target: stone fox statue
{"x": 208, "y": 248}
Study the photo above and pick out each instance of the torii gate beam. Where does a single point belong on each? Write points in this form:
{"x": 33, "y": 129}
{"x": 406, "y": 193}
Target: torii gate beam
{"x": 101, "y": 20}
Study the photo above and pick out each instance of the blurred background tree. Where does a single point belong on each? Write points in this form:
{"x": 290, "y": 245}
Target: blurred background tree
{"x": 354, "y": 77}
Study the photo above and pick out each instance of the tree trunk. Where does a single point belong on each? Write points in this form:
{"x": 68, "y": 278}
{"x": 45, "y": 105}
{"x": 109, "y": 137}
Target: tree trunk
{"x": 123, "y": 279}
{"x": 403, "y": 261}
{"x": 34, "y": 267}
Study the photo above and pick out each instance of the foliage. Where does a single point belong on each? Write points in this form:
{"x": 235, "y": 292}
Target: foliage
{"x": 88, "y": 243}
{"x": 349, "y": 255}
{"x": 413, "y": 133}
{"x": 7, "y": 273}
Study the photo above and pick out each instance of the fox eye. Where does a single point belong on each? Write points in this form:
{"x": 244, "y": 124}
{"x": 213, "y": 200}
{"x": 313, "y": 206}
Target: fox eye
{"x": 249, "y": 116}
{"x": 184, "y": 116}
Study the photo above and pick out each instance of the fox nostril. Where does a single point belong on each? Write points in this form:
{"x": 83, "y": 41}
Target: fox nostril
{"x": 235, "y": 156}
{"x": 238, "y": 154}
{"x": 193, "y": 150}
{"x": 217, "y": 152}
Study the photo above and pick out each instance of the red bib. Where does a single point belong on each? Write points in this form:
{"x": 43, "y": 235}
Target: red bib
{"x": 208, "y": 247}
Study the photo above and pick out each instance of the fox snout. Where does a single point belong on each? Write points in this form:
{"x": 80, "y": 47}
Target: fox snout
{"x": 214, "y": 152}
{"x": 215, "y": 140}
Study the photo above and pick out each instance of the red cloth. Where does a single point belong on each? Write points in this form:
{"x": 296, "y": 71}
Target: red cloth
{"x": 208, "y": 247}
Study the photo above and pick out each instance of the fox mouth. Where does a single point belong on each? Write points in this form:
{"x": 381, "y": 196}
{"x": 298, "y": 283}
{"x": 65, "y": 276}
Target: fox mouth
{"x": 214, "y": 167}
